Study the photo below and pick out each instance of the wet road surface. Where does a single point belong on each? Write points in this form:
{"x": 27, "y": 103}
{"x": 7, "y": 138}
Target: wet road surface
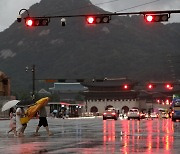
{"x": 95, "y": 136}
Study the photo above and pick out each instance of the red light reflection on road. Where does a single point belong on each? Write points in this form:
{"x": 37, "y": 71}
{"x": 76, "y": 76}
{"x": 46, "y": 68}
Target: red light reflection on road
{"x": 152, "y": 134}
{"x": 109, "y": 133}
{"x": 28, "y": 148}
{"x": 149, "y": 137}
{"x": 125, "y": 138}
{"x": 168, "y": 139}
{"x": 133, "y": 136}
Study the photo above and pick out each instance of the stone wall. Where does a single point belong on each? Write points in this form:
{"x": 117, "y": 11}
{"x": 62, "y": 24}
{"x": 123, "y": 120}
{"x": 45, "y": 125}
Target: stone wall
{"x": 118, "y": 104}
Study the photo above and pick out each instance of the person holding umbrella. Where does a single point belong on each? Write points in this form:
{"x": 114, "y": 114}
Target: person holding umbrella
{"x": 9, "y": 106}
{"x": 12, "y": 124}
{"x": 19, "y": 126}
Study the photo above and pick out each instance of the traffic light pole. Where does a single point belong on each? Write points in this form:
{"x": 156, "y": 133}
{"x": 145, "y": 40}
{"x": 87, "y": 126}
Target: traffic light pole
{"x": 33, "y": 70}
{"x": 33, "y": 82}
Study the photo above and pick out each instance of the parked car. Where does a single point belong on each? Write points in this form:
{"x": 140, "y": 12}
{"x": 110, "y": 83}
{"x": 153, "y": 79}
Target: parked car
{"x": 133, "y": 114}
{"x": 110, "y": 114}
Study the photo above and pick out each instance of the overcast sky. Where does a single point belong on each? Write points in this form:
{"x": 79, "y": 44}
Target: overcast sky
{"x": 9, "y": 8}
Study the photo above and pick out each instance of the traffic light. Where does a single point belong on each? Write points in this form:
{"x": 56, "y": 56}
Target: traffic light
{"x": 167, "y": 102}
{"x": 126, "y": 87}
{"x": 169, "y": 86}
{"x": 30, "y": 22}
{"x": 156, "y": 17}
{"x": 158, "y": 101}
{"x": 150, "y": 86}
{"x": 98, "y": 19}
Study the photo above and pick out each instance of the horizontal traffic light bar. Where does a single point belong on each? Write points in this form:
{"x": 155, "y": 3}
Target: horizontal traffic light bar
{"x": 110, "y": 14}
{"x": 152, "y": 16}
{"x": 156, "y": 17}
{"x": 98, "y": 19}
{"x": 37, "y": 21}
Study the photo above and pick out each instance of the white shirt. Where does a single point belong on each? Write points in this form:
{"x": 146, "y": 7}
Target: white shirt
{"x": 18, "y": 116}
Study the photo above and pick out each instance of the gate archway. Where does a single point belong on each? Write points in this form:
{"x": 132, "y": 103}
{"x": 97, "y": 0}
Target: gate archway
{"x": 125, "y": 109}
{"x": 94, "y": 109}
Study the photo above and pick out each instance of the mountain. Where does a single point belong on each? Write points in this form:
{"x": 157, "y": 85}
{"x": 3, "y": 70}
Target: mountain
{"x": 127, "y": 46}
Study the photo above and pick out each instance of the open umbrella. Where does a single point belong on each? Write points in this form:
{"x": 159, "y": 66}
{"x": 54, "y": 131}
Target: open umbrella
{"x": 26, "y": 102}
{"x": 9, "y": 104}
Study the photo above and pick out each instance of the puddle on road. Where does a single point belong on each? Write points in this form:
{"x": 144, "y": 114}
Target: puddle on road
{"x": 27, "y": 148}
{"x": 136, "y": 137}
{"x": 111, "y": 137}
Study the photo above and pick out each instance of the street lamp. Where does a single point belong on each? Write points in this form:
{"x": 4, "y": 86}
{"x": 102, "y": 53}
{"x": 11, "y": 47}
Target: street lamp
{"x": 19, "y": 18}
{"x": 33, "y": 79}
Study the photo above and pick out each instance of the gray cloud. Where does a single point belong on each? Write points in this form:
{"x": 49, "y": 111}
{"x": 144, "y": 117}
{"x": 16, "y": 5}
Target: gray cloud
{"x": 9, "y": 8}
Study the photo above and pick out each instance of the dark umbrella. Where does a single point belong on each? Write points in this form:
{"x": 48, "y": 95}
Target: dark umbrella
{"x": 26, "y": 102}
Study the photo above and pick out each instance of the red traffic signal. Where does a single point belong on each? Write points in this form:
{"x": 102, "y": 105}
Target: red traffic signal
{"x": 149, "y": 18}
{"x": 97, "y": 19}
{"x": 169, "y": 86}
{"x": 90, "y": 20}
{"x": 150, "y": 86}
{"x": 125, "y": 86}
{"x": 156, "y": 17}
{"x": 158, "y": 101}
{"x": 29, "y": 22}
{"x": 36, "y": 22}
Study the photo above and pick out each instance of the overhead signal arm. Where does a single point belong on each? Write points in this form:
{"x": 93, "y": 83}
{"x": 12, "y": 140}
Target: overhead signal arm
{"x": 149, "y": 16}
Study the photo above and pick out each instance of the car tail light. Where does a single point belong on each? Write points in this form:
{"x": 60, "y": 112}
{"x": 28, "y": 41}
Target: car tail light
{"x": 113, "y": 113}
{"x": 104, "y": 113}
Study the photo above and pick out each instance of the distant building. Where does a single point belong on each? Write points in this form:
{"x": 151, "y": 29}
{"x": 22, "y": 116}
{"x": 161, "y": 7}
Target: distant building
{"x": 117, "y": 93}
{"x": 69, "y": 92}
{"x": 43, "y": 92}
{"x": 4, "y": 92}
{"x": 120, "y": 93}
{"x": 124, "y": 94}
{"x": 4, "y": 85}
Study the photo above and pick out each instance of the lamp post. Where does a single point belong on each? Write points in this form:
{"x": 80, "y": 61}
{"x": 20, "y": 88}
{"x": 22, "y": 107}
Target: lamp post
{"x": 19, "y": 18}
{"x": 33, "y": 70}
